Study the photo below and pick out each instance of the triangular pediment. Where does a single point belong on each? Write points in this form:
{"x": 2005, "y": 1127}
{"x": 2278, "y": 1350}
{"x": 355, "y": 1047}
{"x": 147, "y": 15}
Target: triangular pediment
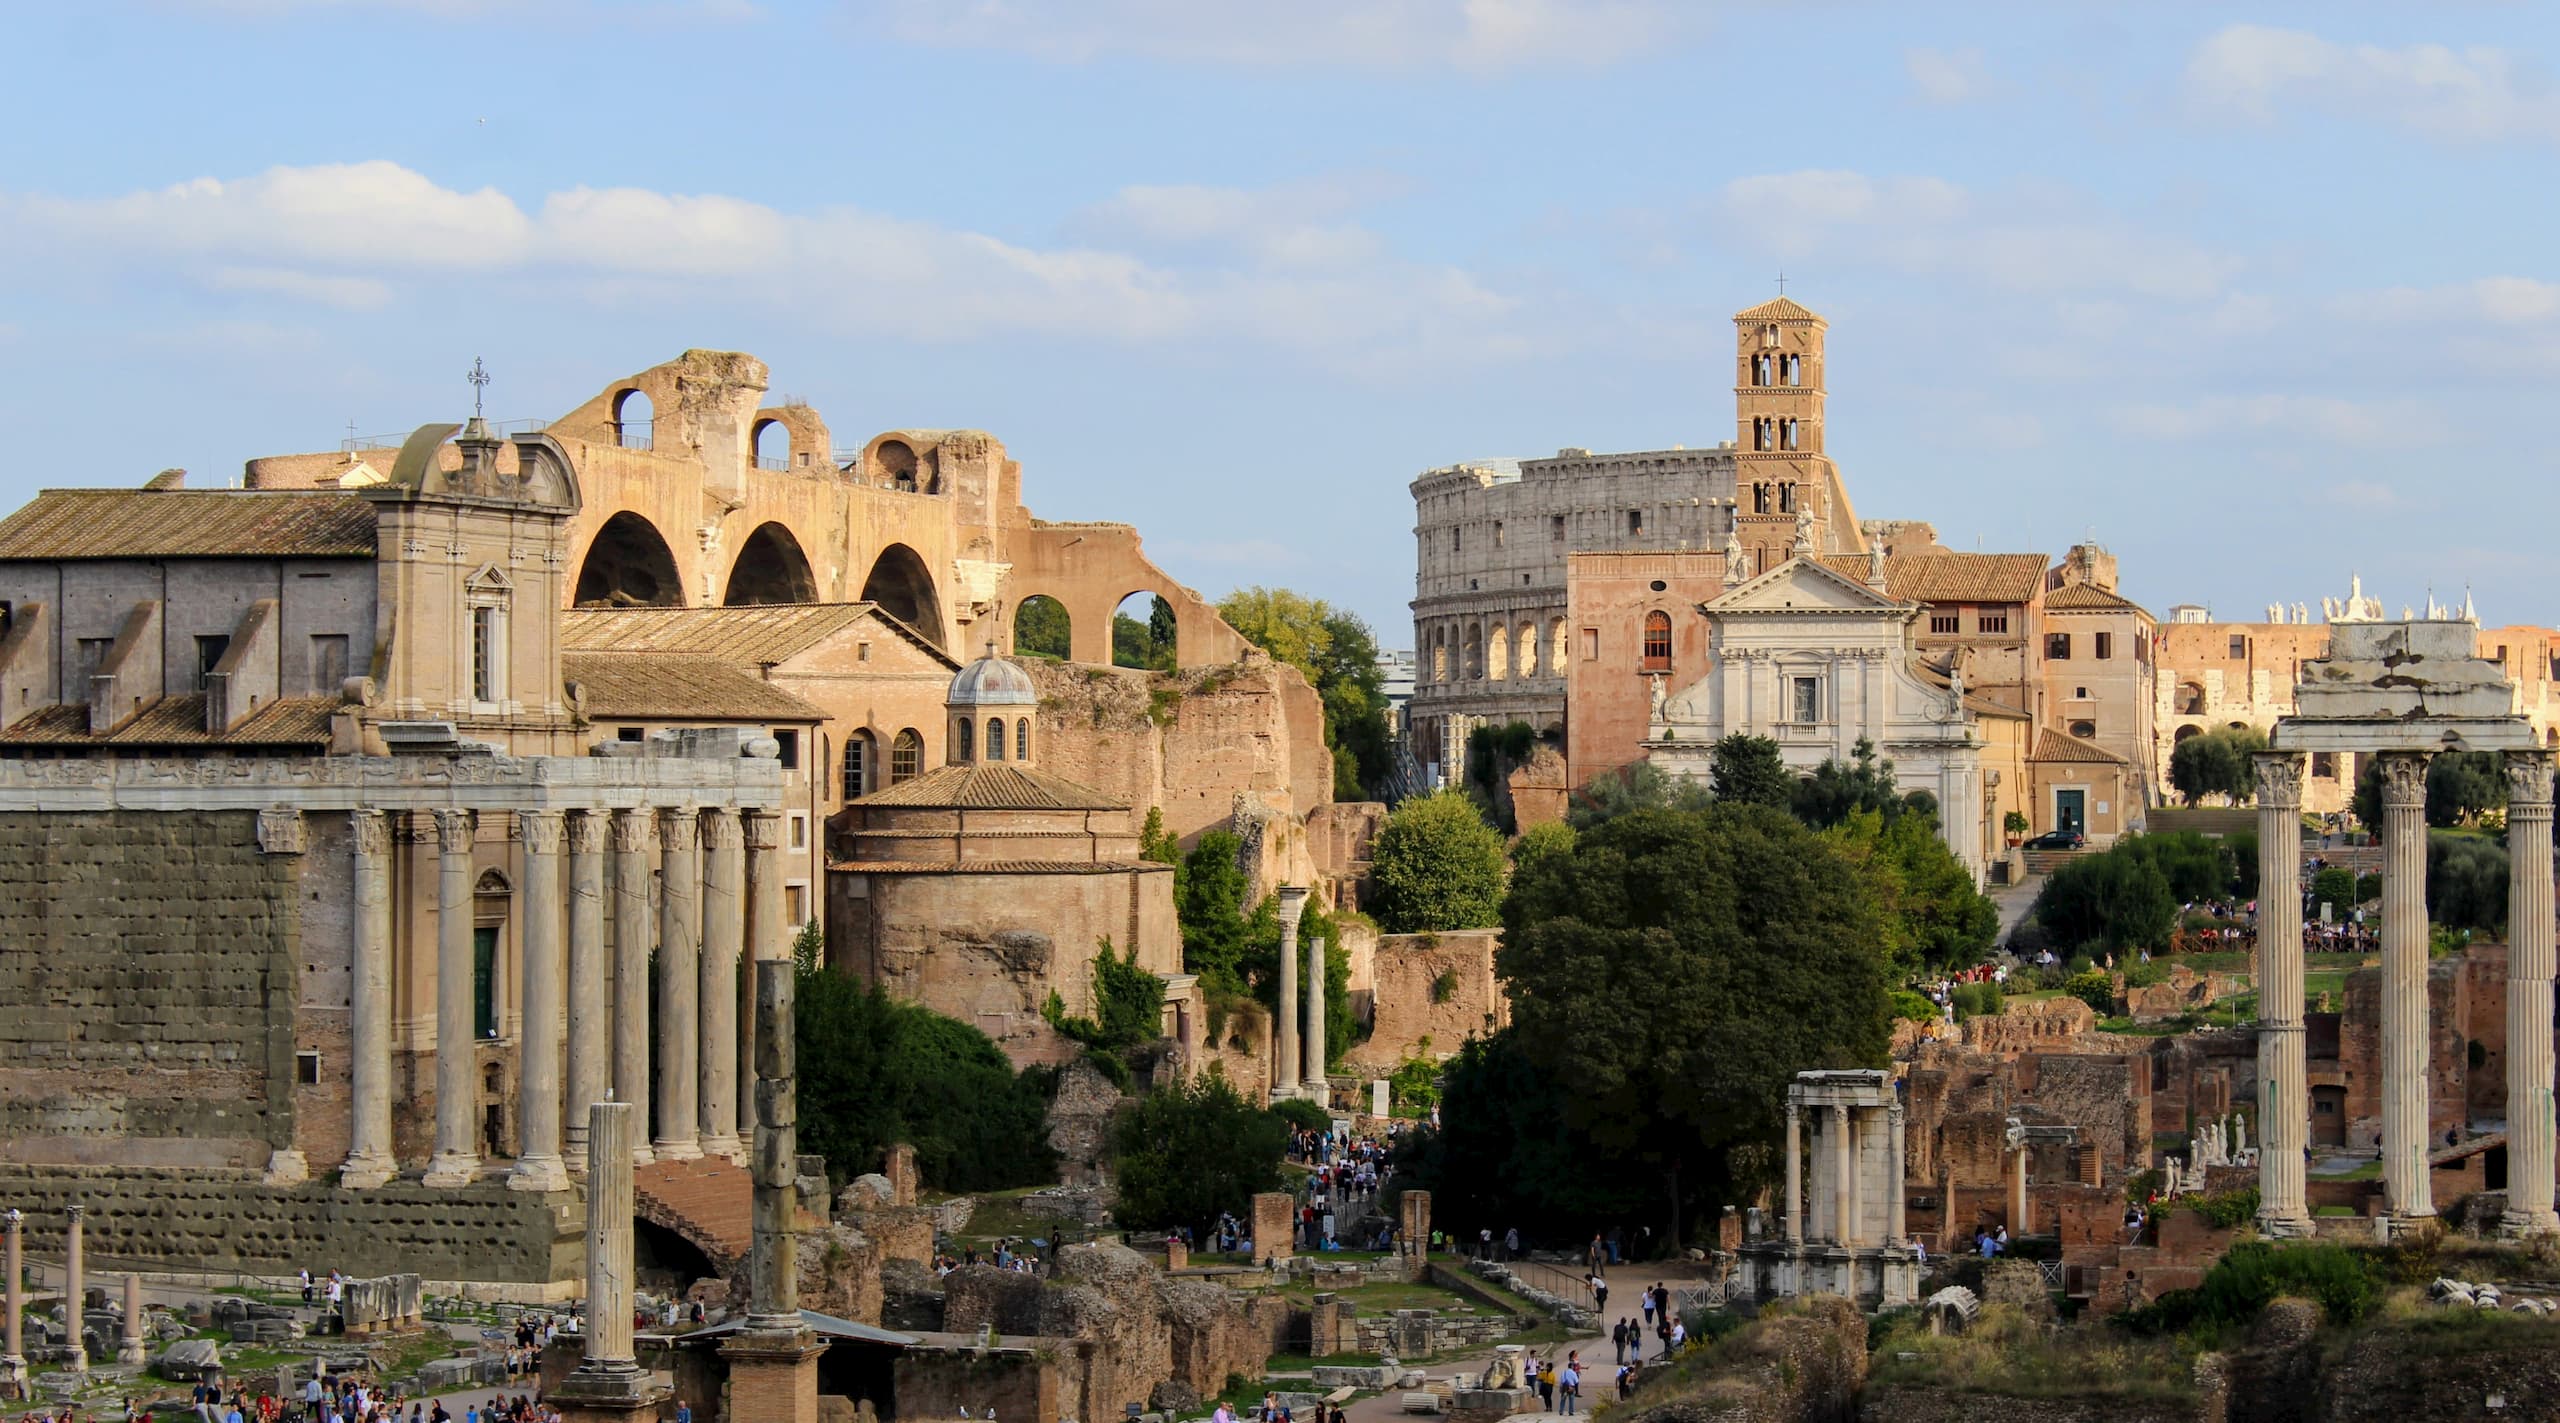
{"x": 1803, "y": 586}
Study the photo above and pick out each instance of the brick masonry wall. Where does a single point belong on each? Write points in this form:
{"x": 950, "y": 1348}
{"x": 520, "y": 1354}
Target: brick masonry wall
{"x": 150, "y": 962}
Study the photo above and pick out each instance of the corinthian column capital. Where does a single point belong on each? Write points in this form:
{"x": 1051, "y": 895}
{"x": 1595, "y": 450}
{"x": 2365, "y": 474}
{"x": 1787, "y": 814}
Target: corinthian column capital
{"x": 2279, "y": 779}
{"x": 2529, "y": 778}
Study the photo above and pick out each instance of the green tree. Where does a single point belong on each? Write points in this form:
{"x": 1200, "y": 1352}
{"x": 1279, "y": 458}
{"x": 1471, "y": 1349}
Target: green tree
{"x": 1128, "y": 1003}
{"x": 1338, "y": 655}
{"x": 1157, "y": 843}
{"x": 875, "y": 1071}
{"x": 1184, "y": 1155}
{"x": 1041, "y": 629}
{"x": 2093, "y": 987}
{"x": 2108, "y": 902}
{"x": 1750, "y": 770}
{"x": 2193, "y": 867}
{"x": 1932, "y": 914}
{"x": 1553, "y": 838}
{"x": 2466, "y": 882}
{"x": 1208, "y": 902}
{"x": 1837, "y": 789}
{"x": 1437, "y": 865}
{"x": 2215, "y": 763}
{"x": 1147, "y": 643}
{"x": 2461, "y": 787}
{"x": 1638, "y": 785}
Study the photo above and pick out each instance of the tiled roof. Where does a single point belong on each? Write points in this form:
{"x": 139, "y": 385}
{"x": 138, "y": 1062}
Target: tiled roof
{"x": 1965, "y": 577}
{"x": 998, "y": 867}
{"x": 1981, "y": 705}
{"x": 1777, "y": 309}
{"x": 179, "y": 721}
{"x": 750, "y": 636}
{"x": 994, "y": 786}
{"x": 2088, "y": 598}
{"x": 2052, "y": 745}
{"x": 188, "y": 523}
{"x": 686, "y": 686}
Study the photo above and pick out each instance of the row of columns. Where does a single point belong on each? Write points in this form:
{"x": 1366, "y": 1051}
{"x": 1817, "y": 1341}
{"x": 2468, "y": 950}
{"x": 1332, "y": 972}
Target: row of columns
{"x": 2284, "y": 1091}
{"x": 14, "y": 1373}
{"x": 1848, "y": 1229}
{"x": 1298, "y": 1059}
{"x": 718, "y": 871}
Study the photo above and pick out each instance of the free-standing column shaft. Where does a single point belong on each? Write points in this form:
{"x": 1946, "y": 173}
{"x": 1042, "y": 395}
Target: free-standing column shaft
{"x": 679, "y": 984}
{"x": 2018, "y": 1190}
{"x": 2529, "y": 968}
{"x": 1284, "y": 1056}
{"x": 75, "y": 1290}
{"x": 1793, "y": 1211}
{"x": 538, "y": 1163}
{"x": 2406, "y": 1191}
{"x": 2284, "y": 1088}
{"x": 1844, "y": 1178}
{"x": 370, "y": 1161}
{"x": 1895, "y": 1231}
{"x": 1319, "y": 1085}
{"x": 768, "y": 938}
{"x": 457, "y": 1160}
{"x": 590, "y": 982}
{"x": 724, "y": 933}
{"x": 631, "y": 944}
{"x": 613, "y": 1140}
{"x": 773, "y": 1261}
{"x": 13, "y": 1353}
{"x": 129, "y": 1349}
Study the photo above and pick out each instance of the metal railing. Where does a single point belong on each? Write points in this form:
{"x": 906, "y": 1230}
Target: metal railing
{"x": 773, "y": 462}
{"x": 1554, "y": 1279}
{"x": 633, "y": 434}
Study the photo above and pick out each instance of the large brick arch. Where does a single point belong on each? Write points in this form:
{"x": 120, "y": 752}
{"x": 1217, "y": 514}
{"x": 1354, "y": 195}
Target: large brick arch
{"x": 628, "y": 562}
{"x": 905, "y": 589}
{"x": 770, "y": 568}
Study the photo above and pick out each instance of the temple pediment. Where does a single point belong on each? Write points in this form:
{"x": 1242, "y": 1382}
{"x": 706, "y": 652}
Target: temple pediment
{"x": 1802, "y": 586}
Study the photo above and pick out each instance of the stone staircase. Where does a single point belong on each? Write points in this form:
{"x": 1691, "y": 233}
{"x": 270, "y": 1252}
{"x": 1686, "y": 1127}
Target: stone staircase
{"x": 710, "y": 1202}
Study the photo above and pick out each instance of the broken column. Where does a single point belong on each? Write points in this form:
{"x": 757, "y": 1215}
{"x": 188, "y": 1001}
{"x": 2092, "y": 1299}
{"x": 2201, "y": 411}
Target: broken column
{"x": 608, "y": 1386}
{"x": 129, "y": 1349}
{"x": 13, "y": 1362}
{"x": 75, "y": 1291}
{"x": 773, "y": 1362}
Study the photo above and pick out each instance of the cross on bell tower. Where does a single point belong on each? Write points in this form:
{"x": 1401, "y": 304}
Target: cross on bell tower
{"x": 479, "y": 379}
{"x": 1782, "y": 481}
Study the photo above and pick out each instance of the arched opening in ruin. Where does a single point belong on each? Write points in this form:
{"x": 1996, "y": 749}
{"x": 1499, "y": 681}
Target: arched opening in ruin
{"x": 770, "y": 569}
{"x": 903, "y": 588}
{"x": 896, "y": 460}
{"x": 664, "y": 1262}
{"x": 1528, "y": 649}
{"x": 2184, "y": 732}
{"x": 634, "y": 422}
{"x": 2190, "y": 699}
{"x": 629, "y": 565}
{"x": 1143, "y": 633}
{"x": 1500, "y": 658}
{"x": 1041, "y": 628}
{"x": 1475, "y": 653}
{"x": 773, "y": 444}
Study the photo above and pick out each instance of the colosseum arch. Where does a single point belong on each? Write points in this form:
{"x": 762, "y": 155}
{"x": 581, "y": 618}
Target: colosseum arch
{"x": 628, "y": 564}
{"x": 770, "y": 569}
{"x": 903, "y": 587}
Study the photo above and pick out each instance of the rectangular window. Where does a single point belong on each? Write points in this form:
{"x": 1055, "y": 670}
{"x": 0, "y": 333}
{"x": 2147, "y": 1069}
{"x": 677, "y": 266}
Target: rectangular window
{"x": 1635, "y": 521}
{"x": 93, "y": 654}
{"x": 328, "y": 663}
{"x": 209, "y": 650}
{"x": 1497, "y": 533}
{"x": 1590, "y": 644}
{"x": 483, "y": 664}
{"x": 1988, "y": 621}
{"x": 484, "y": 981}
{"x": 795, "y": 903}
{"x": 2102, "y": 645}
{"x": 1457, "y": 541}
{"x": 799, "y": 831}
{"x": 1942, "y": 622}
{"x": 2239, "y": 645}
{"x": 862, "y": 652}
{"x": 306, "y": 1069}
{"x": 1808, "y": 705}
{"x": 2057, "y": 646}
{"x": 1555, "y": 530}
{"x": 789, "y": 741}
{"x": 631, "y": 733}
{"x": 2324, "y": 765}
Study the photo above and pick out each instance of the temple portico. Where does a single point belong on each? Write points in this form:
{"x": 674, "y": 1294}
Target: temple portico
{"x": 1846, "y": 1236}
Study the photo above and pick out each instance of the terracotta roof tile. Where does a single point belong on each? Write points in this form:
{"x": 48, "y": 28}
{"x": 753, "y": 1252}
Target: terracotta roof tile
{"x": 179, "y": 721}
{"x": 750, "y": 636}
{"x": 2089, "y": 598}
{"x": 2052, "y": 745}
{"x": 1966, "y": 577}
{"x": 1775, "y": 309}
{"x": 992, "y": 787}
{"x": 684, "y": 686}
{"x": 998, "y": 867}
{"x": 188, "y": 523}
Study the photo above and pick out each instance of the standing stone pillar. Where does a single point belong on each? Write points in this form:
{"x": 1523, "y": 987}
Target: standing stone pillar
{"x": 1844, "y": 1178}
{"x": 2529, "y": 968}
{"x": 724, "y": 933}
{"x": 2284, "y": 1090}
{"x": 130, "y": 1352}
{"x": 370, "y": 1162}
{"x": 590, "y": 974}
{"x": 609, "y": 1386}
{"x": 679, "y": 984}
{"x": 538, "y": 1163}
{"x": 457, "y": 1158}
{"x": 773, "y": 1362}
{"x": 631, "y": 944}
{"x": 2018, "y": 1189}
{"x": 75, "y": 1291}
{"x": 768, "y": 937}
{"x": 1319, "y": 1085}
{"x": 2406, "y": 1192}
{"x": 1896, "y": 1230}
{"x": 1793, "y": 1210}
{"x": 1284, "y": 1052}
{"x": 13, "y": 1351}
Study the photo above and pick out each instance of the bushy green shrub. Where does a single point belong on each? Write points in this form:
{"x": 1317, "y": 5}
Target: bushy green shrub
{"x": 1302, "y": 1114}
{"x": 2094, "y": 987}
{"x": 1976, "y": 1000}
{"x": 2255, "y": 1272}
{"x": 1907, "y": 1004}
{"x": 875, "y": 1071}
{"x": 1182, "y": 1155}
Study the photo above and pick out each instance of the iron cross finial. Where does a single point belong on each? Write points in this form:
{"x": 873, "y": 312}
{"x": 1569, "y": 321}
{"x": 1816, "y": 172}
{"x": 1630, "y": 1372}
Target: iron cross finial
{"x": 479, "y": 379}
{"x": 1782, "y": 281}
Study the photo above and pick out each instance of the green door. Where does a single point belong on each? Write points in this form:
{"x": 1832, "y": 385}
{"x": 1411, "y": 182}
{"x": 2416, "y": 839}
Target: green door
{"x": 484, "y": 981}
{"x": 2071, "y": 811}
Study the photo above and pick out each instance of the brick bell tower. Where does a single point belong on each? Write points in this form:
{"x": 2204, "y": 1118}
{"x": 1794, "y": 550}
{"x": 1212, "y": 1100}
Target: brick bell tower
{"x": 1785, "y": 488}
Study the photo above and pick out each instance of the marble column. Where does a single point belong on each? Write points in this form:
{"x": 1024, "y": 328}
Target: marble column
{"x": 679, "y": 984}
{"x": 2407, "y": 1194}
{"x": 75, "y": 1291}
{"x": 724, "y": 932}
{"x": 1319, "y": 1084}
{"x": 2529, "y": 967}
{"x": 370, "y": 1162}
{"x": 13, "y": 1351}
{"x": 538, "y": 1164}
{"x": 1793, "y": 1211}
{"x": 1284, "y": 1052}
{"x": 130, "y": 1353}
{"x": 457, "y": 1158}
{"x": 2018, "y": 1190}
{"x": 773, "y": 1362}
{"x": 2284, "y": 1090}
{"x": 609, "y": 1382}
{"x": 590, "y": 1070}
{"x": 1896, "y": 1232}
{"x": 768, "y": 938}
{"x": 1844, "y": 1178}
{"x": 631, "y": 945}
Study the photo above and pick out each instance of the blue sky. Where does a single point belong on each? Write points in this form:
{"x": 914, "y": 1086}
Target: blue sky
{"x": 2257, "y": 296}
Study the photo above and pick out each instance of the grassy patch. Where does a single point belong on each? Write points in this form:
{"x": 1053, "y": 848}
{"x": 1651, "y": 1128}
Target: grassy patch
{"x": 999, "y": 1215}
{"x": 2369, "y": 1171}
{"x": 413, "y": 1354}
{"x": 2166, "y": 1028}
{"x": 2005, "y": 1353}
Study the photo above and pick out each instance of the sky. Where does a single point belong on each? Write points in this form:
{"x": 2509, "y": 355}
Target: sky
{"x": 2255, "y": 296}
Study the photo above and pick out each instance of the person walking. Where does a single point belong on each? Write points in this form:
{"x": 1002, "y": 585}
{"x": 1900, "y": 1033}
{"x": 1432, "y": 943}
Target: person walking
{"x": 1570, "y": 1382}
{"x": 1618, "y": 1339}
{"x": 1599, "y": 1294}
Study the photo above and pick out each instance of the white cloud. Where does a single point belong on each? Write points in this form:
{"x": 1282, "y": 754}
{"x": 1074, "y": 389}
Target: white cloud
{"x": 1941, "y": 76}
{"x": 2313, "y": 417}
{"x": 2474, "y": 94}
{"x": 1482, "y": 35}
{"x": 2504, "y": 301}
{"x": 345, "y": 293}
{"x": 2048, "y": 246}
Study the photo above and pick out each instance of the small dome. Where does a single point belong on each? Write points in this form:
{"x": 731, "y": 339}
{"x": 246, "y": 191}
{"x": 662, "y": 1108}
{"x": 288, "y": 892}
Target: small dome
{"x": 991, "y": 681}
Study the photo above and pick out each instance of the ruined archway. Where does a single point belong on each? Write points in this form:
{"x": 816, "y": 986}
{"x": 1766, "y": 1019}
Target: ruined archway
{"x": 903, "y": 587}
{"x": 1143, "y": 633}
{"x": 772, "y": 440}
{"x": 770, "y": 569}
{"x": 629, "y": 565}
{"x": 1041, "y": 628}
{"x": 633, "y": 422}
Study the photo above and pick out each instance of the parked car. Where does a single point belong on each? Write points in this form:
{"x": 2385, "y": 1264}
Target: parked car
{"x": 2058, "y": 840}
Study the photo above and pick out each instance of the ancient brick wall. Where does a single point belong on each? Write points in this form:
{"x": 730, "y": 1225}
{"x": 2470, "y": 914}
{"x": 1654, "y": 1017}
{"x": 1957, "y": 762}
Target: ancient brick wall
{"x": 151, "y": 964}
{"x": 2108, "y": 1098}
{"x": 1439, "y": 987}
{"x": 1188, "y": 742}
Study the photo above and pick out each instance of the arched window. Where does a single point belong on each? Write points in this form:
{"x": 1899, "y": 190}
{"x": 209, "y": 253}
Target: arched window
{"x": 1475, "y": 653}
{"x": 1786, "y": 498}
{"x": 1498, "y": 654}
{"x": 857, "y": 765}
{"x": 1528, "y": 647}
{"x": 1769, "y": 334}
{"x": 631, "y": 420}
{"x": 1760, "y": 370}
{"x": 995, "y": 738}
{"x": 1555, "y": 648}
{"x": 1022, "y": 739}
{"x": 1790, "y": 430}
{"x": 773, "y": 444}
{"x": 906, "y": 756}
{"x": 1657, "y": 642}
{"x": 961, "y": 749}
{"x": 1795, "y": 370}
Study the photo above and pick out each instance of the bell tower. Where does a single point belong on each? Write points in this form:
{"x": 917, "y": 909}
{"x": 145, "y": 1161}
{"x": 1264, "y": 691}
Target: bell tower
{"x": 1787, "y": 495}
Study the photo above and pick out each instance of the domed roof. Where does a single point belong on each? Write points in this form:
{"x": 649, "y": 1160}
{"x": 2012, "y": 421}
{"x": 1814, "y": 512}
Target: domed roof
{"x": 991, "y": 681}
